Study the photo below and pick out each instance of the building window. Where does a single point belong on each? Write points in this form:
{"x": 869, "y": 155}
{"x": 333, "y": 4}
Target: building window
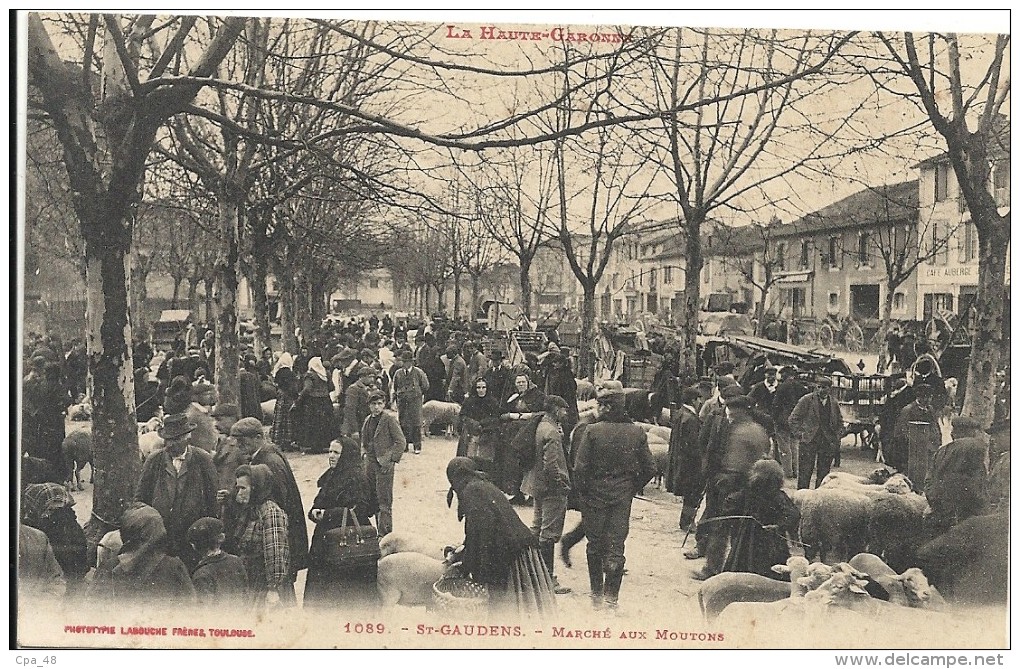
{"x": 833, "y": 305}
{"x": 781, "y": 256}
{"x": 936, "y": 303}
{"x": 805, "y": 258}
{"x": 899, "y": 302}
{"x": 651, "y": 278}
{"x": 833, "y": 252}
{"x": 863, "y": 252}
{"x": 941, "y": 182}
{"x": 968, "y": 243}
{"x": 1000, "y": 179}
{"x": 373, "y": 283}
{"x": 667, "y": 275}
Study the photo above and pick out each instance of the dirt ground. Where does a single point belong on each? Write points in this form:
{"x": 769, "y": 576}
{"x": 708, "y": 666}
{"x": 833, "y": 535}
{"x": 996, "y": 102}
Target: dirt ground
{"x": 658, "y": 594}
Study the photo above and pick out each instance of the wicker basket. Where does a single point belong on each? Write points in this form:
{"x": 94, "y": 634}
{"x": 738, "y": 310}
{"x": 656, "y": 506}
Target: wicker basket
{"x": 459, "y": 595}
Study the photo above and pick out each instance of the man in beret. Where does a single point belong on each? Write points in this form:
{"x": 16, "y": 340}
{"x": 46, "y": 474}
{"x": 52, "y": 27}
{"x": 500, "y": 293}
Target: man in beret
{"x": 956, "y": 485}
{"x": 180, "y": 482}
{"x": 383, "y": 443}
{"x": 409, "y": 387}
{"x": 817, "y": 424}
{"x": 548, "y": 482}
{"x": 257, "y": 450}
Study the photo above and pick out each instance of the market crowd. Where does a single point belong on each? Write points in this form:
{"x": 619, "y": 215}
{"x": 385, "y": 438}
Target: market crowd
{"x": 217, "y": 519}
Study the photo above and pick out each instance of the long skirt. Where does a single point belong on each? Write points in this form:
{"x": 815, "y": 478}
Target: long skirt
{"x": 316, "y": 427}
{"x": 331, "y": 587}
{"x": 528, "y": 592}
{"x": 282, "y": 433}
{"x": 508, "y": 469}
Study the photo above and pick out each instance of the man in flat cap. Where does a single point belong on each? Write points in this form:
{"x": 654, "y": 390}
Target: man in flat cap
{"x": 817, "y": 423}
{"x": 179, "y": 481}
{"x": 257, "y": 450}
{"x": 383, "y": 443}
{"x": 956, "y": 484}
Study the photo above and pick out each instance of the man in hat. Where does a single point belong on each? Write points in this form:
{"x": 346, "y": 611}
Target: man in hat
{"x": 383, "y": 444}
{"x": 180, "y": 482}
{"x": 356, "y": 401}
{"x": 409, "y": 387}
{"x": 256, "y": 450}
{"x": 956, "y": 485}
{"x": 477, "y": 363}
{"x": 613, "y": 464}
{"x": 715, "y": 404}
{"x": 817, "y": 424}
{"x": 548, "y": 481}
{"x": 497, "y": 377}
{"x": 762, "y": 393}
{"x": 249, "y": 388}
{"x": 743, "y": 443}
{"x": 456, "y": 375}
{"x": 227, "y": 456}
{"x": 918, "y": 428}
{"x": 789, "y": 390}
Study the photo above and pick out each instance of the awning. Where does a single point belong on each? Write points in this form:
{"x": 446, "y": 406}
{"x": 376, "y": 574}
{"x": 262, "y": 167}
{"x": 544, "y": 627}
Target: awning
{"x": 794, "y": 277}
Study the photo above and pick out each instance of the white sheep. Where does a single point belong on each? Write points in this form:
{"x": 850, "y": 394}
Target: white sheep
{"x": 395, "y": 542}
{"x": 897, "y": 484}
{"x": 660, "y": 457}
{"x": 148, "y": 443}
{"x": 587, "y": 405}
{"x": 911, "y": 588}
{"x": 585, "y": 390}
{"x": 879, "y": 476}
{"x": 435, "y": 411}
{"x": 407, "y": 578}
{"x": 896, "y": 526}
{"x": 833, "y": 522}
{"x": 721, "y": 590}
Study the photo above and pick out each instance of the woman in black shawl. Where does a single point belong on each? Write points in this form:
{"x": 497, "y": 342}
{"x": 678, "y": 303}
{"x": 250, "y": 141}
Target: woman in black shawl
{"x": 499, "y": 550}
{"x": 479, "y": 427}
{"x": 342, "y": 486}
{"x": 759, "y": 541}
{"x": 142, "y": 572}
{"x": 524, "y": 403}
{"x": 47, "y": 507}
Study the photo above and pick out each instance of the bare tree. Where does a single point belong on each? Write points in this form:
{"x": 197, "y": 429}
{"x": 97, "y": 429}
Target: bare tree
{"x": 106, "y": 107}
{"x": 962, "y": 85}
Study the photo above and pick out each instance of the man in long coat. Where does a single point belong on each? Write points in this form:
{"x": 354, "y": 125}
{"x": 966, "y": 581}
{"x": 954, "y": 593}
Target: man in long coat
{"x": 250, "y": 436}
{"x": 683, "y": 469}
{"x": 817, "y": 423}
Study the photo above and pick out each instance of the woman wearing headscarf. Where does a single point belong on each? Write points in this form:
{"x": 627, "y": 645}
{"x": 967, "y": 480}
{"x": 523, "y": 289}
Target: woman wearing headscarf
{"x": 342, "y": 486}
{"x": 315, "y": 429}
{"x": 286, "y": 380}
{"x": 499, "y": 550}
{"x": 480, "y": 426}
{"x": 524, "y": 403}
{"x": 142, "y": 571}
{"x": 47, "y": 507}
{"x": 257, "y": 533}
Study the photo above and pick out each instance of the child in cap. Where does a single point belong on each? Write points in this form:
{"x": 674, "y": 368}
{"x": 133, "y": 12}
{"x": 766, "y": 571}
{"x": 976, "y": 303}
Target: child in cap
{"x": 220, "y": 579}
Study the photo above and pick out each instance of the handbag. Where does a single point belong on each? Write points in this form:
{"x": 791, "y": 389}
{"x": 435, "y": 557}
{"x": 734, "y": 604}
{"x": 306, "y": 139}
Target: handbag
{"x": 352, "y": 546}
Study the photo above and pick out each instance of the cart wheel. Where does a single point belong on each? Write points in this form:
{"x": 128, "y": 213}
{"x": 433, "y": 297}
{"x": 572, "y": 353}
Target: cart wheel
{"x": 854, "y": 338}
{"x": 825, "y": 336}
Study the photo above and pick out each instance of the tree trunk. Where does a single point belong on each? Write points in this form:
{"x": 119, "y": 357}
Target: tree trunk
{"x": 108, "y": 338}
{"x": 688, "y": 318}
{"x": 475, "y": 280}
{"x": 317, "y": 306}
{"x": 260, "y": 303}
{"x": 456, "y": 295}
{"x": 883, "y": 328}
{"x": 986, "y": 348}
{"x": 525, "y": 281}
{"x": 287, "y": 323}
{"x": 209, "y": 315}
{"x": 193, "y": 294}
{"x": 440, "y": 297}
{"x": 759, "y": 312}
{"x": 176, "y": 293}
{"x": 142, "y": 291}
{"x": 586, "y": 355}
{"x": 227, "y": 269}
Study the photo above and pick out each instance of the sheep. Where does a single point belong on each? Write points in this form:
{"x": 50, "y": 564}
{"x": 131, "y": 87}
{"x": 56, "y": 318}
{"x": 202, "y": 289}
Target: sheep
{"x": 879, "y": 476}
{"x": 149, "y": 443}
{"x": 77, "y": 450}
{"x": 395, "y": 542}
{"x": 660, "y": 457}
{"x": 407, "y": 578}
{"x": 268, "y": 411}
{"x": 151, "y": 425}
{"x": 833, "y": 522}
{"x": 80, "y": 412}
{"x": 585, "y": 390}
{"x": 721, "y": 590}
{"x": 587, "y": 405}
{"x": 896, "y": 484}
{"x": 435, "y": 411}
{"x": 896, "y": 527}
